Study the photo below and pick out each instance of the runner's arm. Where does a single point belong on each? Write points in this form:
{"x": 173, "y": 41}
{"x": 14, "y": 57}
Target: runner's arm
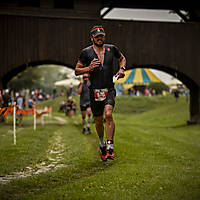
{"x": 122, "y": 64}
{"x": 80, "y": 69}
{"x": 122, "y": 61}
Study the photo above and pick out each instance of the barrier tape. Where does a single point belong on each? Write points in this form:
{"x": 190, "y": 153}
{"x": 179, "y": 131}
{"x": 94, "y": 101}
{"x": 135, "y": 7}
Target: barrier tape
{"x": 9, "y": 110}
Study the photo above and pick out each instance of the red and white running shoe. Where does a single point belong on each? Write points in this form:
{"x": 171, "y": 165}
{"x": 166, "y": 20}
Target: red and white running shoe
{"x": 110, "y": 154}
{"x": 103, "y": 153}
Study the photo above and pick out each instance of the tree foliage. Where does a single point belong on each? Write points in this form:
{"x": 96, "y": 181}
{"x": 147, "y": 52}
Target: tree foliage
{"x": 29, "y": 78}
{"x": 158, "y": 87}
{"x": 41, "y": 77}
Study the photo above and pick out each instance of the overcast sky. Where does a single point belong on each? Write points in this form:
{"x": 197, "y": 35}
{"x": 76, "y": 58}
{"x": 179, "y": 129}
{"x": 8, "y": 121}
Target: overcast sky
{"x": 141, "y": 14}
{"x": 145, "y": 15}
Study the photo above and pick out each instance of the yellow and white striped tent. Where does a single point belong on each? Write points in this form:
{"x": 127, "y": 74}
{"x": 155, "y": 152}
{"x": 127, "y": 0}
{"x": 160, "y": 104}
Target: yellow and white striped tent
{"x": 137, "y": 76}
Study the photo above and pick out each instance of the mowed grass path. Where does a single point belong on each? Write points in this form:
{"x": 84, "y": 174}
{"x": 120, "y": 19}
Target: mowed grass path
{"x": 157, "y": 155}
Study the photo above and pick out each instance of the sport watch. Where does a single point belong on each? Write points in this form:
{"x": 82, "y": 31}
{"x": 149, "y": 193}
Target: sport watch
{"x": 123, "y": 68}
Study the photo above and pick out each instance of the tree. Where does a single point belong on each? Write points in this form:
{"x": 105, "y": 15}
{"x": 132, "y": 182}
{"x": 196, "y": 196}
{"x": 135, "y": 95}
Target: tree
{"x": 39, "y": 77}
{"x": 26, "y": 79}
{"x": 158, "y": 87}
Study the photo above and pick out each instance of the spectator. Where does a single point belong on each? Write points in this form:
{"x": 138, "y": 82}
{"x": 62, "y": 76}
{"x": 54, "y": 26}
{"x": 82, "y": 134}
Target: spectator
{"x": 176, "y": 95}
{"x": 20, "y": 104}
{"x": 62, "y": 93}
{"x": 6, "y": 101}
{"x": 30, "y": 102}
{"x": 70, "y": 107}
{"x": 146, "y": 92}
{"x": 62, "y": 107}
{"x": 131, "y": 91}
{"x": 69, "y": 91}
{"x": 54, "y": 93}
{"x": 187, "y": 94}
{"x": 6, "y": 98}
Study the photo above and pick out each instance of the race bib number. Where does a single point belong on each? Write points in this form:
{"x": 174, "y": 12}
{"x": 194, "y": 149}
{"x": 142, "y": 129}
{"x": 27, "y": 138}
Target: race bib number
{"x": 100, "y": 94}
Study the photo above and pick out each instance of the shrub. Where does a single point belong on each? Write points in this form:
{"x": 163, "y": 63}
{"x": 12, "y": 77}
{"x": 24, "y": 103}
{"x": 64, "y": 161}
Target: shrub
{"x": 158, "y": 87}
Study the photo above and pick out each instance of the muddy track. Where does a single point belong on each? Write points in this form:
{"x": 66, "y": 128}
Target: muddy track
{"x": 53, "y": 160}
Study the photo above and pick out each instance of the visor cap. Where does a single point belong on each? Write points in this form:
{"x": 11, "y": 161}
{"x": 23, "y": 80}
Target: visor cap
{"x": 97, "y": 30}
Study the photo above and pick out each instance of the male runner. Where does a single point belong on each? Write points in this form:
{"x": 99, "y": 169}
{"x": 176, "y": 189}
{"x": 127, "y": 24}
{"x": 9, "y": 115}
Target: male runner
{"x": 84, "y": 93}
{"x": 97, "y": 60}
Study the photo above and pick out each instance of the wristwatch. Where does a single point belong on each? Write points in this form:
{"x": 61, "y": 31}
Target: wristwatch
{"x": 123, "y": 68}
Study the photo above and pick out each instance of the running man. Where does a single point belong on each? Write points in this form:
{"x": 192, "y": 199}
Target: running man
{"x": 84, "y": 93}
{"x": 97, "y": 60}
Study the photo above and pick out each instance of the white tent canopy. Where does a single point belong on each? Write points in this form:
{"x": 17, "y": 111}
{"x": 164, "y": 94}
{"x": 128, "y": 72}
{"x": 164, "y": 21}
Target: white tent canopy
{"x": 67, "y": 82}
{"x": 174, "y": 82}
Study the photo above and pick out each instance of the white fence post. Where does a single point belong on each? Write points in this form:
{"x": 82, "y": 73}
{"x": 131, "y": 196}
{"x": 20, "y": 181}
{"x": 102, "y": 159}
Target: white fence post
{"x": 14, "y": 123}
{"x": 34, "y": 117}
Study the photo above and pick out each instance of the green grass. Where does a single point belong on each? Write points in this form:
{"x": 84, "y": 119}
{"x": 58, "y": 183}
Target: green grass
{"x": 157, "y": 155}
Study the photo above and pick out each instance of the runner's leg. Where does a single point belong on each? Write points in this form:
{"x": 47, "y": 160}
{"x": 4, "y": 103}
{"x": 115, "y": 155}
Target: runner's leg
{"x": 110, "y": 125}
{"x": 100, "y": 132}
{"x": 89, "y": 113}
{"x": 97, "y": 110}
{"x": 83, "y": 114}
{"x": 99, "y": 126}
{"x": 110, "y": 129}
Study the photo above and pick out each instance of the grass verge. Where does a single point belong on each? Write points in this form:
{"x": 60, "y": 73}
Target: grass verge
{"x": 157, "y": 155}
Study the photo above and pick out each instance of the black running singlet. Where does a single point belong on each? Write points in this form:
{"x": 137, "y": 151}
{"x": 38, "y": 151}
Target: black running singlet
{"x": 102, "y": 76}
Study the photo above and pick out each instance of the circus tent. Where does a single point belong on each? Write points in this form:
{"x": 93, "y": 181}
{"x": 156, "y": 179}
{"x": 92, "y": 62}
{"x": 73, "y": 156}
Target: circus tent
{"x": 137, "y": 77}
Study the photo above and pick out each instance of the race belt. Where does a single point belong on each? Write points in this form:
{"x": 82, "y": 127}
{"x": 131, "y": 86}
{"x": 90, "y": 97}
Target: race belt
{"x": 100, "y": 94}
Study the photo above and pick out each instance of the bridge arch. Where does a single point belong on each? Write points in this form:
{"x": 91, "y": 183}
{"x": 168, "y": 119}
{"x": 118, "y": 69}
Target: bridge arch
{"x": 24, "y": 66}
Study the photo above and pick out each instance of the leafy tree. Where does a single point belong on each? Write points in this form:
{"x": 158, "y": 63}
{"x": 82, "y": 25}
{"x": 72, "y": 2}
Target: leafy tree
{"x": 40, "y": 77}
{"x": 26, "y": 79}
{"x": 158, "y": 87}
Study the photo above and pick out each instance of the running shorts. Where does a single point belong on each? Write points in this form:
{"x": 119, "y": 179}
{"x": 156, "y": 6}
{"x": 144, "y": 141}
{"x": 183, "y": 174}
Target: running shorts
{"x": 98, "y": 106}
{"x": 84, "y": 108}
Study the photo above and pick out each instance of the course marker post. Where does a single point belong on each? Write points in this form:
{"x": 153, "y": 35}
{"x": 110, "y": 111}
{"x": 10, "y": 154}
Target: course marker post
{"x": 34, "y": 117}
{"x": 14, "y": 123}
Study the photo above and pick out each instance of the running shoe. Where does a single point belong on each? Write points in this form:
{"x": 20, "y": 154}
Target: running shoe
{"x": 110, "y": 154}
{"x": 103, "y": 153}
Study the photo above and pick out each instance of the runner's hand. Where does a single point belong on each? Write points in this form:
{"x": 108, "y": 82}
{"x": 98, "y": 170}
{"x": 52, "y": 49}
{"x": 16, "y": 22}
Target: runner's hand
{"x": 120, "y": 74}
{"x": 94, "y": 63}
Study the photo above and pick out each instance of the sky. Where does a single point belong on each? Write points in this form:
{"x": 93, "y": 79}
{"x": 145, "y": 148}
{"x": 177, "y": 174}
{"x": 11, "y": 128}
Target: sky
{"x": 142, "y": 14}
{"x": 145, "y": 15}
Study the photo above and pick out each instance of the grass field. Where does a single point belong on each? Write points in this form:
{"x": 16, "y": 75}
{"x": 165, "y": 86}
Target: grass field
{"x": 157, "y": 155}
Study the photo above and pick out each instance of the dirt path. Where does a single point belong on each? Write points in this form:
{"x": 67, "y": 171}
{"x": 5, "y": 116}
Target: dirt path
{"x": 61, "y": 120}
{"x": 53, "y": 161}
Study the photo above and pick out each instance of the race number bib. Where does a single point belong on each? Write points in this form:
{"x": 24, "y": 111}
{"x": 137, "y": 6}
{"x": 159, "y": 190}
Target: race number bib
{"x": 100, "y": 94}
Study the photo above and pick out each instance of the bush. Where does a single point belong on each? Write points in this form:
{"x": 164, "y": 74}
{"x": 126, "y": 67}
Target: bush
{"x": 158, "y": 87}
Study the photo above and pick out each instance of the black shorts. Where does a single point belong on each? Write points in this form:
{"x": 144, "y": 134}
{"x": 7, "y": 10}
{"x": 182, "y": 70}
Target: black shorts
{"x": 84, "y": 108}
{"x": 98, "y": 106}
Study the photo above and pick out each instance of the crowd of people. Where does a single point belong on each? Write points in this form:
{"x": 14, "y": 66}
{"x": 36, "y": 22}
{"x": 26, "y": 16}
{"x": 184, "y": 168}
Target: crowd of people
{"x": 7, "y": 98}
{"x": 23, "y": 99}
{"x": 141, "y": 92}
{"x": 152, "y": 92}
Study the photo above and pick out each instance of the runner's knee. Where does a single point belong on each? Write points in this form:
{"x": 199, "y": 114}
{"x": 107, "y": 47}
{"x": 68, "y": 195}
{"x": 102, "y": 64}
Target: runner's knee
{"x": 99, "y": 120}
{"x": 108, "y": 115}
